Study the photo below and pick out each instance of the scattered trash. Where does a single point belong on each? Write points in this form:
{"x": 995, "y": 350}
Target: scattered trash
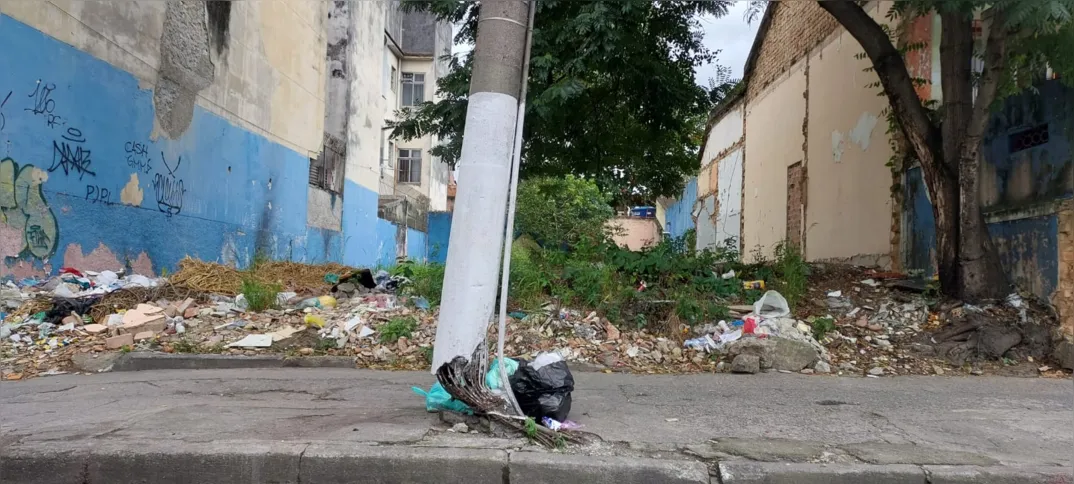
{"x": 871, "y": 283}
{"x": 771, "y": 305}
{"x": 544, "y": 391}
{"x": 331, "y": 278}
{"x": 835, "y": 294}
{"x": 728, "y": 275}
{"x": 313, "y": 320}
{"x": 421, "y": 303}
{"x": 671, "y": 420}
{"x": 253, "y": 341}
{"x": 438, "y": 399}
{"x": 704, "y": 343}
{"x": 754, "y": 285}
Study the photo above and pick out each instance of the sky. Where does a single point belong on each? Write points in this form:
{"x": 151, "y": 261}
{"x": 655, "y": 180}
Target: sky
{"x": 728, "y": 34}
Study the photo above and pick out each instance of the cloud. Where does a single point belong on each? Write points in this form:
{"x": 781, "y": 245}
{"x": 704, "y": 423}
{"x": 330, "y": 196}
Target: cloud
{"x": 732, "y": 37}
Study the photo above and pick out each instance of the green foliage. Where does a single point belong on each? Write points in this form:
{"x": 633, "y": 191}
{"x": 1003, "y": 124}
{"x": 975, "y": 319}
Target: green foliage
{"x": 620, "y": 108}
{"x": 791, "y": 273}
{"x": 821, "y": 327}
{"x": 528, "y": 282}
{"x": 561, "y": 210}
{"x": 426, "y": 280}
{"x": 259, "y": 295}
{"x": 396, "y": 328}
{"x": 185, "y": 346}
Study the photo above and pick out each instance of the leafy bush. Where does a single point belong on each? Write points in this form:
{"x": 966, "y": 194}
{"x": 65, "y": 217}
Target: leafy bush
{"x": 425, "y": 280}
{"x": 557, "y": 211}
{"x": 791, "y": 272}
{"x": 822, "y": 326}
{"x": 396, "y": 328}
{"x": 259, "y": 296}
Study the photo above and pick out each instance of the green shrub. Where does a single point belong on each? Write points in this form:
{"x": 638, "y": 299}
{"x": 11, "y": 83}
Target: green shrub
{"x": 565, "y": 210}
{"x": 791, "y": 272}
{"x": 396, "y": 328}
{"x": 426, "y": 279}
{"x": 822, "y": 326}
{"x": 528, "y": 278}
{"x": 259, "y": 296}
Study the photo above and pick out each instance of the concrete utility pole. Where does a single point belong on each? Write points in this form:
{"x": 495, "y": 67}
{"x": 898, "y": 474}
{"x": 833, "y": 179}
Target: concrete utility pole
{"x": 477, "y": 228}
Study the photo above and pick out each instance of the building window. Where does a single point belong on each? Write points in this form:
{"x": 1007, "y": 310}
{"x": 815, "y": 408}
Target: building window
{"x": 413, "y": 88}
{"x": 395, "y": 79}
{"x": 409, "y": 166}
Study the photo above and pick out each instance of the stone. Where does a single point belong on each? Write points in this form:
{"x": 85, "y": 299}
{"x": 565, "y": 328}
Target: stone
{"x": 822, "y": 367}
{"x": 876, "y": 371}
{"x": 722, "y": 367}
{"x": 657, "y": 356}
{"x": 585, "y": 331}
{"x": 383, "y": 354}
{"x": 676, "y": 352}
{"x": 205, "y": 312}
{"x": 807, "y": 371}
{"x": 305, "y": 351}
{"x": 153, "y": 326}
{"x": 995, "y": 340}
{"x": 95, "y": 328}
{"x": 611, "y": 331}
{"x": 190, "y": 313}
{"x": 698, "y": 359}
{"x": 117, "y": 342}
{"x": 171, "y": 311}
{"x": 461, "y": 428}
{"x": 777, "y": 353}
{"x": 746, "y": 364}
{"x": 347, "y": 288}
{"x": 1064, "y": 354}
{"x": 937, "y": 369}
{"x": 144, "y": 335}
{"x": 72, "y": 319}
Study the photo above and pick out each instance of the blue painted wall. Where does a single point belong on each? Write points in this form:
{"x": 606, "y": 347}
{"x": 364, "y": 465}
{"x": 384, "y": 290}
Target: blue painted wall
{"x": 416, "y": 245}
{"x": 1017, "y": 187}
{"x": 76, "y": 132}
{"x": 678, "y": 218}
{"x": 439, "y": 232}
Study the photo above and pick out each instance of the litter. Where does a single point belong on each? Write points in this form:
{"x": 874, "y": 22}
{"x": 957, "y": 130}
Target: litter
{"x": 771, "y": 305}
{"x": 728, "y": 275}
{"x": 253, "y": 341}
{"x": 365, "y": 331}
{"x": 546, "y": 391}
{"x": 283, "y": 333}
{"x": 755, "y": 285}
{"x": 438, "y": 399}
{"x": 835, "y": 294}
{"x": 421, "y": 303}
{"x": 313, "y": 320}
{"x": 704, "y": 343}
{"x": 555, "y": 425}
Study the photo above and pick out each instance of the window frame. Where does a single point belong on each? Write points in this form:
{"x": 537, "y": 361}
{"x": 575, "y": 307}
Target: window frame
{"x": 408, "y": 161}
{"x": 413, "y": 83}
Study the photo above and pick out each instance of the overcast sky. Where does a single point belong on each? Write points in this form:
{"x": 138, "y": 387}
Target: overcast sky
{"x": 728, "y": 34}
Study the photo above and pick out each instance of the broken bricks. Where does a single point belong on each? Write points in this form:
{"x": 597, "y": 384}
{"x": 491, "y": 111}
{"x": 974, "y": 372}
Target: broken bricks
{"x": 117, "y": 342}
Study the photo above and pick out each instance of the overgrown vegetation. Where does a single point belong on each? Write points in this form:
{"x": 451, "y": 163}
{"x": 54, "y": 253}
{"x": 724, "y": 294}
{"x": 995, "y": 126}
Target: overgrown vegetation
{"x": 561, "y": 210}
{"x": 425, "y": 280}
{"x": 259, "y": 295}
{"x": 396, "y": 328}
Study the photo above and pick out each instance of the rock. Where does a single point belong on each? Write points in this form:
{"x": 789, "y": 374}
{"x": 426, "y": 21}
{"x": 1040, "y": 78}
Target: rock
{"x": 461, "y": 427}
{"x": 937, "y": 369}
{"x": 144, "y": 335}
{"x": 722, "y": 367}
{"x": 585, "y": 331}
{"x": 862, "y": 322}
{"x": 657, "y": 356}
{"x": 632, "y": 352}
{"x": 95, "y": 328}
{"x": 822, "y": 367}
{"x": 777, "y": 353}
{"x": 663, "y": 346}
{"x": 807, "y": 371}
{"x": 744, "y": 363}
{"x": 875, "y": 327}
{"x": 383, "y": 354}
{"x": 72, "y": 319}
{"x": 876, "y": 371}
{"x": 698, "y": 359}
{"x": 402, "y": 345}
{"x": 995, "y": 340}
{"x": 676, "y": 352}
{"x": 305, "y": 351}
{"x": 205, "y": 312}
{"x": 1064, "y": 354}
{"x": 191, "y": 312}
{"x": 611, "y": 331}
{"x": 117, "y": 342}
{"x": 347, "y": 288}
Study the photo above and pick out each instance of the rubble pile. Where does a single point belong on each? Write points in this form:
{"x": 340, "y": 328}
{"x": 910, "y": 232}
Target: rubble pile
{"x": 846, "y": 324}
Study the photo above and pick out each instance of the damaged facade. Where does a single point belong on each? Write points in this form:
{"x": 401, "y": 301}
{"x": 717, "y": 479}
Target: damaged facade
{"x": 133, "y": 134}
{"x": 801, "y": 153}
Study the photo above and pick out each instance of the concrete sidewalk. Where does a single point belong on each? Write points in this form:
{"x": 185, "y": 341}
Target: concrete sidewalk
{"x": 334, "y": 425}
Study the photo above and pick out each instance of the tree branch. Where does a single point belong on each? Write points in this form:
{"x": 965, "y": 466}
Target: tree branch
{"x": 888, "y": 63}
{"x": 994, "y": 62}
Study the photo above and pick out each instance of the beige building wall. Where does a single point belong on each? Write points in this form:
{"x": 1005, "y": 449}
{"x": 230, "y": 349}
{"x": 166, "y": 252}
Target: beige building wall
{"x": 370, "y": 95}
{"x": 774, "y": 141}
{"x": 636, "y": 233}
{"x": 849, "y": 208}
{"x": 269, "y": 79}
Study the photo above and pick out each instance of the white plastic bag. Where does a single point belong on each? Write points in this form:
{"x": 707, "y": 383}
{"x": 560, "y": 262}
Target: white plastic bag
{"x": 772, "y": 305}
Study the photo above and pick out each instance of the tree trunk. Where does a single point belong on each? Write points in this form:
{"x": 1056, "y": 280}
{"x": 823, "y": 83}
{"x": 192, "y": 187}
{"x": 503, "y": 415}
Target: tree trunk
{"x": 980, "y": 270}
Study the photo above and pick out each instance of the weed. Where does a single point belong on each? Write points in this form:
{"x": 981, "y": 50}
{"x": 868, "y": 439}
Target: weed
{"x": 426, "y": 280}
{"x": 822, "y": 326}
{"x": 427, "y": 353}
{"x": 185, "y": 346}
{"x": 561, "y": 443}
{"x": 325, "y": 344}
{"x": 530, "y": 428}
{"x": 792, "y": 272}
{"x": 396, "y": 328}
{"x": 125, "y": 349}
{"x": 259, "y": 296}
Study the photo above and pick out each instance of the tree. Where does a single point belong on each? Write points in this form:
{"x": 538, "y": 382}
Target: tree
{"x": 1022, "y": 38}
{"x": 562, "y": 210}
{"x": 612, "y": 94}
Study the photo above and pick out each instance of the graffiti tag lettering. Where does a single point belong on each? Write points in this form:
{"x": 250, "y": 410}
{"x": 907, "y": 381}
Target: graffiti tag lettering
{"x": 3, "y": 120}
{"x": 44, "y": 105}
{"x": 71, "y": 159}
{"x": 168, "y": 188}
{"x": 138, "y": 156}
{"x": 27, "y": 224}
{"x": 96, "y": 194}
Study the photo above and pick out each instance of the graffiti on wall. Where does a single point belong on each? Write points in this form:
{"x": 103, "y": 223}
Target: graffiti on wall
{"x": 26, "y": 221}
{"x": 3, "y": 119}
{"x": 169, "y": 189}
{"x": 68, "y": 153}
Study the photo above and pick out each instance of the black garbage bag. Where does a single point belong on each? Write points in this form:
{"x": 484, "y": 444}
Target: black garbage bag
{"x": 545, "y": 391}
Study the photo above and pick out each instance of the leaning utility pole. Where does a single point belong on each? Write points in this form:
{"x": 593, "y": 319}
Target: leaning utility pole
{"x": 477, "y": 228}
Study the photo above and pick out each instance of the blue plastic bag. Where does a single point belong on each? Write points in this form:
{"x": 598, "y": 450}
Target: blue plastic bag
{"x": 438, "y": 399}
{"x": 492, "y": 378}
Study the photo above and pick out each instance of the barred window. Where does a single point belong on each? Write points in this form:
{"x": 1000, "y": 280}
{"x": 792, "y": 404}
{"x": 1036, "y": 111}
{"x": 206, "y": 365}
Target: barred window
{"x": 409, "y": 166}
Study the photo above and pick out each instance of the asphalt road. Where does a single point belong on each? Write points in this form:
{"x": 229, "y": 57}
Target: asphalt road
{"x": 775, "y": 417}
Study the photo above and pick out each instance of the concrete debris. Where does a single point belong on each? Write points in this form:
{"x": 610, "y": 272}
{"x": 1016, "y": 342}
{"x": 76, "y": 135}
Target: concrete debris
{"x": 744, "y": 363}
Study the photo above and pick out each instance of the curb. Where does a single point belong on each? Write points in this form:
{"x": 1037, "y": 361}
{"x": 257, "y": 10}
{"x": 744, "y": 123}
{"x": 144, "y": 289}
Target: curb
{"x": 166, "y": 361}
{"x": 779, "y": 473}
{"x": 550, "y": 468}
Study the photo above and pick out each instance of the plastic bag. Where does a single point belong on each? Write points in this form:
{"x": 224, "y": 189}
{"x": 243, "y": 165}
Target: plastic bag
{"x": 544, "y": 391}
{"x": 772, "y": 305}
{"x": 492, "y": 378}
{"x": 438, "y": 399}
